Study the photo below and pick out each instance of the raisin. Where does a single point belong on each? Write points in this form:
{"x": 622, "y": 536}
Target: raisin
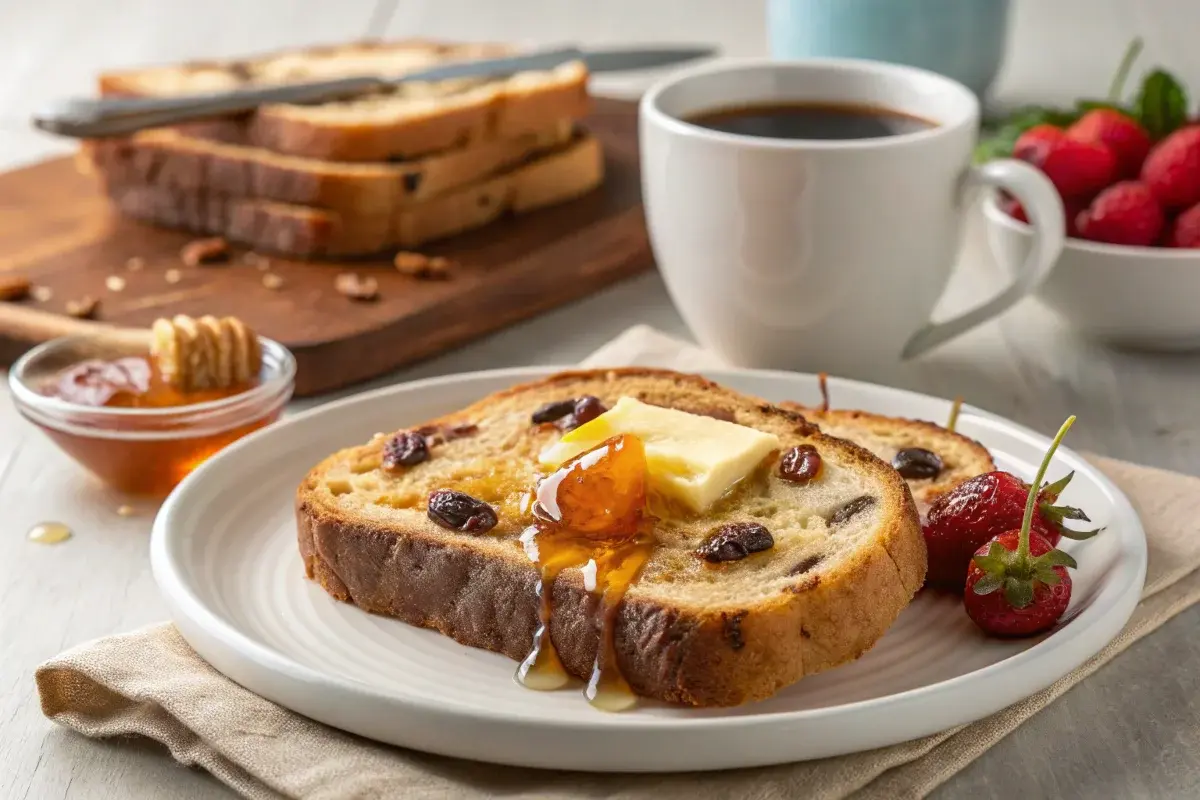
{"x": 587, "y": 408}
{"x": 412, "y": 180}
{"x": 461, "y": 512}
{"x": 847, "y": 511}
{"x": 917, "y": 462}
{"x": 800, "y": 464}
{"x": 552, "y": 411}
{"x": 806, "y": 564}
{"x": 734, "y": 541}
{"x": 404, "y": 450}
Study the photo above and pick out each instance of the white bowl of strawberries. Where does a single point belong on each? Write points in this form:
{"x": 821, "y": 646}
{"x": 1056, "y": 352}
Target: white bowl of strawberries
{"x": 1129, "y": 178}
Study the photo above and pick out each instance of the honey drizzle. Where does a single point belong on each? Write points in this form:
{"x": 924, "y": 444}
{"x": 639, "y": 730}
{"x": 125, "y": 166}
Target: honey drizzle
{"x": 49, "y": 533}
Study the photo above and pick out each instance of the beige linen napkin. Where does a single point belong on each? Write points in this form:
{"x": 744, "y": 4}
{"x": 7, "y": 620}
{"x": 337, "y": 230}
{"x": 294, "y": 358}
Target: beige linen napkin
{"x": 150, "y": 683}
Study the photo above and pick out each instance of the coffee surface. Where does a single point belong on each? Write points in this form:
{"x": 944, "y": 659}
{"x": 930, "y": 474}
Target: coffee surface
{"x": 810, "y": 121}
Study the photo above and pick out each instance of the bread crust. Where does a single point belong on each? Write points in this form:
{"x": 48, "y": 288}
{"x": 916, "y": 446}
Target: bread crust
{"x": 716, "y": 655}
{"x": 308, "y": 232}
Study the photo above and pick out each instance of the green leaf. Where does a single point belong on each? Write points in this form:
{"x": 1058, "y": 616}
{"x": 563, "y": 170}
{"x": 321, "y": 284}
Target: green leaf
{"x": 1161, "y": 104}
{"x": 991, "y": 565}
{"x": 1079, "y": 536}
{"x": 1018, "y": 593}
{"x": 1000, "y": 136}
{"x": 1055, "y": 558}
{"x": 988, "y": 584}
{"x": 1047, "y": 575}
{"x": 1053, "y": 490}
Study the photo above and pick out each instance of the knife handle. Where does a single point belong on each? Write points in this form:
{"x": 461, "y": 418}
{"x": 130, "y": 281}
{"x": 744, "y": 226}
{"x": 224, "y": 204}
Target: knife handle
{"x": 118, "y": 116}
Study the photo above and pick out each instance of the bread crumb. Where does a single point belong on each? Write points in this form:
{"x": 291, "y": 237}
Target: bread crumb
{"x": 204, "y": 251}
{"x": 114, "y": 283}
{"x": 14, "y": 287}
{"x": 352, "y": 285}
{"x": 272, "y": 281}
{"x": 83, "y": 308}
{"x": 173, "y": 276}
{"x": 42, "y": 293}
{"x": 135, "y": 264}
{"x": 418, "y": 265}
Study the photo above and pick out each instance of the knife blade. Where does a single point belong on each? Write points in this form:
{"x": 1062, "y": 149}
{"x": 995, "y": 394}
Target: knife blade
{"x": 87, "y": 118}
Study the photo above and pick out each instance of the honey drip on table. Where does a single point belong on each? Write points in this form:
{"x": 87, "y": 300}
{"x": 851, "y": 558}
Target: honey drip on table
{"x": 49, "y": 533}
{"x": 589, "y": 514}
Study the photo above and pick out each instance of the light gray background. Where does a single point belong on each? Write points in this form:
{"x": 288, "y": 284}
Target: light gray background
{"x": 1129, "y": 731}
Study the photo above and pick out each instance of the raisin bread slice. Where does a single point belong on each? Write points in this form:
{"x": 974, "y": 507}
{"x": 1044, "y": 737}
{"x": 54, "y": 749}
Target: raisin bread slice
{"x": 173, "y": 160}
{"x": 403, "y": 122}
{"x": 961, "y": 456}
{"x": 307, "y": 232}
{"x": 847, "y": 553}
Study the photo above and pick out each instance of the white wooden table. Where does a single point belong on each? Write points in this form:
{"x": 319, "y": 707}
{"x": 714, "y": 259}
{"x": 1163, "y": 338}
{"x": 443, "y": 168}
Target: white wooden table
{"x": 1132, "y": 730}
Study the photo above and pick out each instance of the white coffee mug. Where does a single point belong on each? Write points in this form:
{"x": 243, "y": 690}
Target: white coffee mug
{"x": 823, "y": 254}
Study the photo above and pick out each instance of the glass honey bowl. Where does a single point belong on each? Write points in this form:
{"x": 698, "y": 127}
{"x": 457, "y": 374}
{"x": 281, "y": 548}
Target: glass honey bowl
{"x": 144, "y": 444}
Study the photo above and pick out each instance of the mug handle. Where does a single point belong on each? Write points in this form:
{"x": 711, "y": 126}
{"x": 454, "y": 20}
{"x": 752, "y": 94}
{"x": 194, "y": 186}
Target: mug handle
{"x": 1045, "y": 211}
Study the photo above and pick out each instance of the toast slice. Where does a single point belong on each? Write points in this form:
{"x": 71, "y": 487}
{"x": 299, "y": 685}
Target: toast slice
{"x": 307, "y": 232}
{"x": 173, "y": 160}
{"x": 839, "y": 572}
{"x": 400, "y": 123}
{"x": 962, "y": 457}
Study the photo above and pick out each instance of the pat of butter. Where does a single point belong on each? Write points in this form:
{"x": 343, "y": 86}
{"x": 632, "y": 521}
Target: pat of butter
{"x": 690, "y": 458}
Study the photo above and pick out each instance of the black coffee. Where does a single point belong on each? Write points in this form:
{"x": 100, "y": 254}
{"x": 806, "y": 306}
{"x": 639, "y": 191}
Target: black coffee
{"x": 810, "y": 121}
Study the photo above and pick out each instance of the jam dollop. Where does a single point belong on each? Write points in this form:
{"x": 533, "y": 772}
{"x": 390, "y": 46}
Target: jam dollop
{"x": 590, "y": 511}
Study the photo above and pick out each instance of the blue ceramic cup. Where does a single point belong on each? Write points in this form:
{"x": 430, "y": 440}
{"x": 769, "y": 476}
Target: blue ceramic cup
{"x": 961, "y": 39}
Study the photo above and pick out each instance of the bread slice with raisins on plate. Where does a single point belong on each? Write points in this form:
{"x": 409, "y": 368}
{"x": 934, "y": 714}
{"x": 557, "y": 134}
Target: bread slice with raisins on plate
{"x": 845, "y": 557}
{"x": 957, "y": 457}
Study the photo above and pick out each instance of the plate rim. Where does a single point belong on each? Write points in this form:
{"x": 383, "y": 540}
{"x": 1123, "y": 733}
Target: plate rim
{"x": 181, "y": 600}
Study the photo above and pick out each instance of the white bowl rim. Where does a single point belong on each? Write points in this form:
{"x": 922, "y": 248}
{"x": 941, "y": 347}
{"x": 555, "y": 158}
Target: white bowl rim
{"x": 991, "y": 209}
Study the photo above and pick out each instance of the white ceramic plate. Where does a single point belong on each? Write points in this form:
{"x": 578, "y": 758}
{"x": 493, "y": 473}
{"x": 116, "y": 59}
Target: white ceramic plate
{"x": 224, "y": 554}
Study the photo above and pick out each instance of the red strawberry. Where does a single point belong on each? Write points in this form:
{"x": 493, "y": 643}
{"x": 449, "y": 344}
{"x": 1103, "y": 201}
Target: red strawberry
{"x": 1071, "y": 209}
{"x": 980, "y": 509}
{"x": 1185, "y": 229}
{"x": 996, "y": 612}
{"x": 1077, "y": 169}
{"x": 1036, "y": 138}
{"x": 1127, "y": 139}
{"x": 1172, "y": 170}
{"x": 1124, "y": 213}
{"x": 1017, "y": 585}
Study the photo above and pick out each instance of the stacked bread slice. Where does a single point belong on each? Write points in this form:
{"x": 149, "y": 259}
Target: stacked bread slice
{"x": 391, "y": 170}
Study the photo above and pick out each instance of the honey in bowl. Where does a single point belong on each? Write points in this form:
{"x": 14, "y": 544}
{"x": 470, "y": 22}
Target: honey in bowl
{"x": 142, "y": 428}
{"x": 590, "y": 513}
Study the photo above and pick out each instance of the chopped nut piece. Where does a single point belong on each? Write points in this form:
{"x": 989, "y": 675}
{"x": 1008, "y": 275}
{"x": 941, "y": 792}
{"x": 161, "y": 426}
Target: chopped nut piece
{"x": 83, "y": 308}
{"x": 114, "y": 283}
{"x": 42, "y": 293}
{"x": 416, "y": 265}
{"x": 173, "y": 276}
{"x": 126, "y": 511}
{"x": 135, "y": 264}
{"x": 204, "y": 353}
{"x": 14, "y": 287}
{"x": 204, "y": 251}
{"x": 355, "y": 287}
{"x": 272, "y": 281}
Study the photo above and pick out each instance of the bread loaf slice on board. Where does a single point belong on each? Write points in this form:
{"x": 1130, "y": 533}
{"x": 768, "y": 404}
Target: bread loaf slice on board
{"x": 308, "y": 232}
{"x": 839, "y": 572}
{"x": 962, "y": 457}
{"x": 173, "y": 160}
{"x": 403, "y": 122}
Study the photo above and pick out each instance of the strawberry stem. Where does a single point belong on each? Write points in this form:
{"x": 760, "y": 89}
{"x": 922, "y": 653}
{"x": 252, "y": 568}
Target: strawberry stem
{"x": 954, "y": 409}
{"x": 1117, "y": 87}
{"x": 1031, "y": 503}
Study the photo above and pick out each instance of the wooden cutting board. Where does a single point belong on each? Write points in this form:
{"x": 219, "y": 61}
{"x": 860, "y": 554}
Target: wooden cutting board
{"x": 57, "y": 229}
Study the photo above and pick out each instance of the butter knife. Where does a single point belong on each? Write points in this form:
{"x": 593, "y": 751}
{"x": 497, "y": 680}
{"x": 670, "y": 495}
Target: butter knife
{"x": 88, "y": 118}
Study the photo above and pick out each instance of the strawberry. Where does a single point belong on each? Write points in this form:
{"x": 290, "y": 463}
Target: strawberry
{"x": 1071, "y": 209}
{"x": 1035, "y": 138}
{"x": 1077, "y": 169}
{"x": 1017, "y": 584}
{"x": 1172, "y": 170}
{"x": 1126, "y": 138}
{"x": 981, "y": 508}
{"x": 1124, "y": 213}
{"x": 1185, "y": 229}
